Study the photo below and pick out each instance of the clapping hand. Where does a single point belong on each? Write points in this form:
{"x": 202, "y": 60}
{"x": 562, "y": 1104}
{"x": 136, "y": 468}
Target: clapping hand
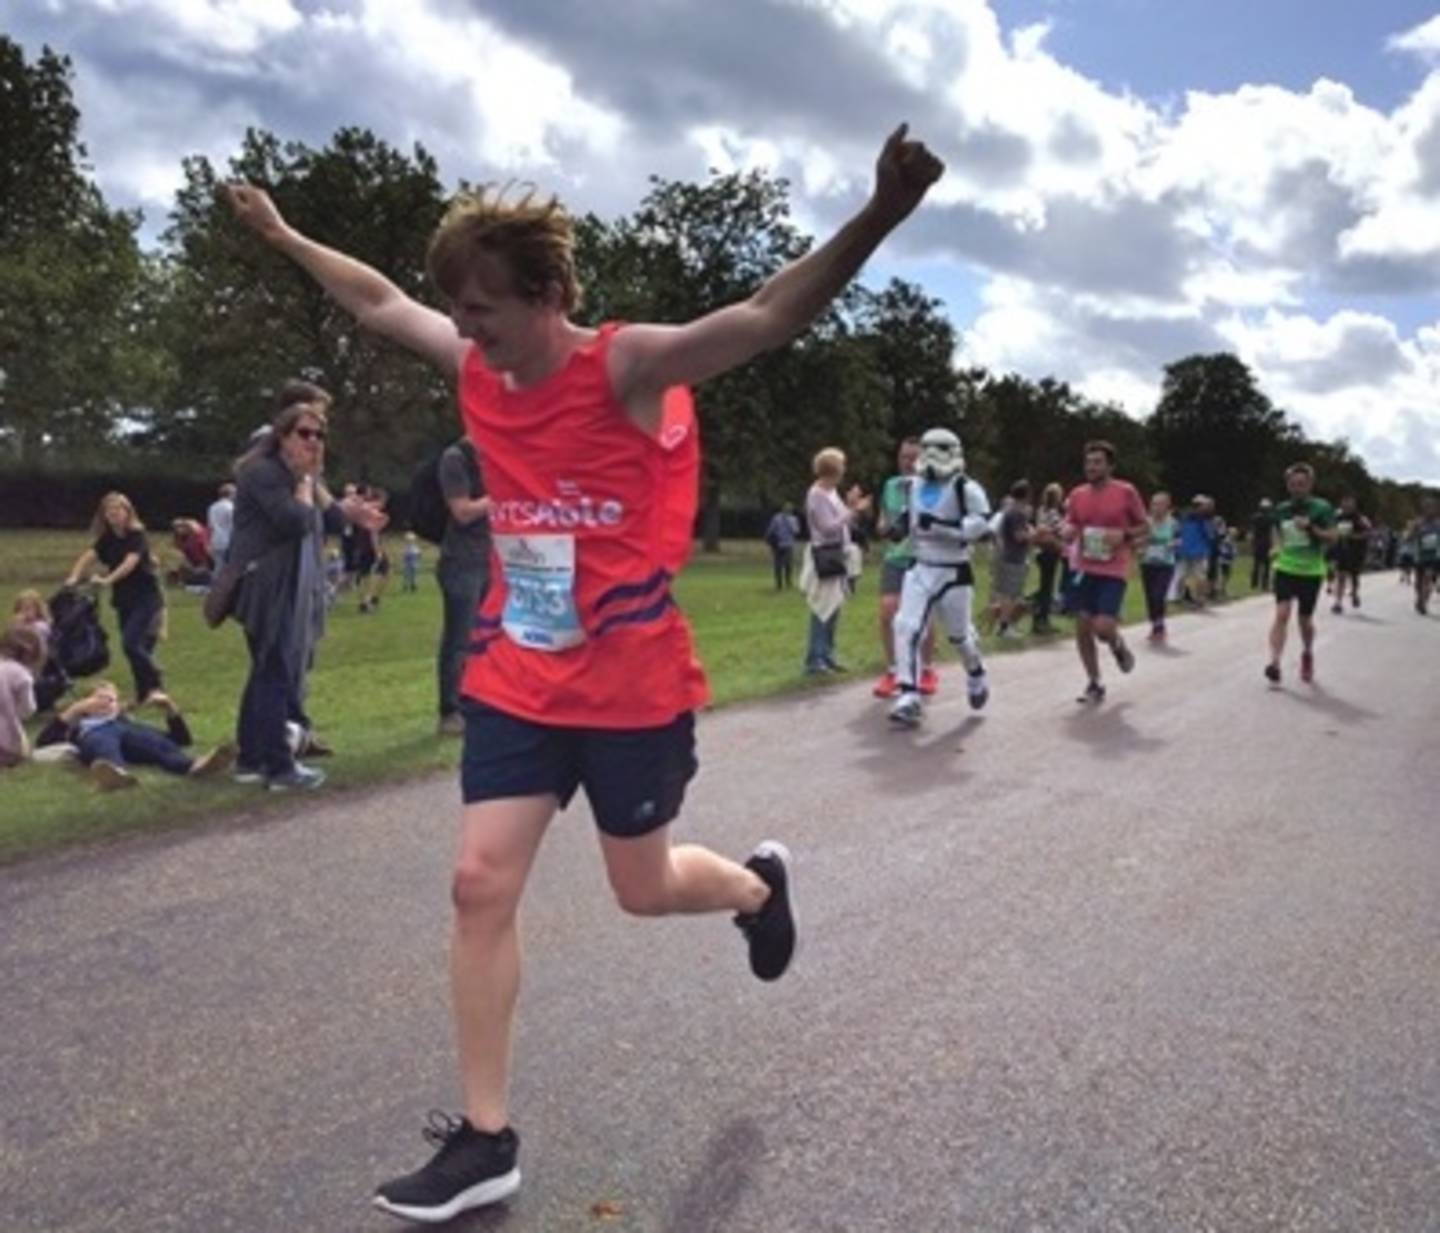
{"x": 364, "y": 514}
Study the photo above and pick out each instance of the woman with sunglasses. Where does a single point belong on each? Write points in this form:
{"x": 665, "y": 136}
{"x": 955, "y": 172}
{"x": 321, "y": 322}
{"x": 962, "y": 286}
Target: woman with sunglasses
{"x": 283, "y": 512}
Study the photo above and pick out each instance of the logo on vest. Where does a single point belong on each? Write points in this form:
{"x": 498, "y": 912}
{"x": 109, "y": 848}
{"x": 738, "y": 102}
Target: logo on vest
{"x": 570, "y": 509}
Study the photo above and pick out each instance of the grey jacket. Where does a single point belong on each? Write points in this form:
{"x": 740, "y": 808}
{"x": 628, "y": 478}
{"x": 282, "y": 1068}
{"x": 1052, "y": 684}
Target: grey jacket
{"x": 271, "y": 529}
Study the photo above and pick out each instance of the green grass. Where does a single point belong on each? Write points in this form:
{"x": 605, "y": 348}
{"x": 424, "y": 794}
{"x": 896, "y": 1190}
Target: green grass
{"x": 372, "y": 693}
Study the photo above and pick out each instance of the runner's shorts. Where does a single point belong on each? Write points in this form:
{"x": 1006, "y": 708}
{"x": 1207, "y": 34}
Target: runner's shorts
{"x": 634, "y": 778}
{"x": 892, "y": 578}
{"x": 1007, "y": 579}
{"x": 1098, "y": 595}
{"x": 1299, "y": 589}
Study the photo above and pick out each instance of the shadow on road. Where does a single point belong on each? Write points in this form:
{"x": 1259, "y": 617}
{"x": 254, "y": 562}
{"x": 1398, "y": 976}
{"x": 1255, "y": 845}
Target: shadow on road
{"x": 1166, "y": 651}
{"x": 1366, "y": 619}
{"x": 895, "y": 755}
{"x": 707, "y": 1202}
{"x": 1106, "y": 730}
{"x": 1318, "y": 698}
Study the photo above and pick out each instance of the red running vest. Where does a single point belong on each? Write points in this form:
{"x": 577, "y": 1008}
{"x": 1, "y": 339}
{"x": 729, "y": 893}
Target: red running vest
{"x": 591, "y": 520}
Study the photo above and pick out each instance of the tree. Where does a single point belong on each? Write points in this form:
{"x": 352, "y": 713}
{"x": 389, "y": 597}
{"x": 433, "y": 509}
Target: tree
{"x": 692, "y": 248}
{"x": 910, "y": 345}
{"x": 1037, "y": 430}
{"x": 242, "y": 318}
{"x": 1215, "y": 431}
{"x": 74, "y": 289}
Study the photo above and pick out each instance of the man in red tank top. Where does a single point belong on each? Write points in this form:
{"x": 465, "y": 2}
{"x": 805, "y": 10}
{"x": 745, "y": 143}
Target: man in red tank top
{"x": 581, "y": 671}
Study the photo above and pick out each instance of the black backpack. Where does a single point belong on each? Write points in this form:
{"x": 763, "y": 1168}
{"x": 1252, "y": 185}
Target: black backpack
{"x": 51, "y": 684}
{"x": 429, "y": 511}
{"x": 78, "y": 640}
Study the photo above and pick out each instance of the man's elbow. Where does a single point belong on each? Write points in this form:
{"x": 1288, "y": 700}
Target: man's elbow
{"x": 765, "y": 323}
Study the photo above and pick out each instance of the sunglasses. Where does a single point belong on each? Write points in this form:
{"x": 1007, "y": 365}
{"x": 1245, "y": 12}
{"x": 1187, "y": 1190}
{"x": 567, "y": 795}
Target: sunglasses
{"x": 310, "y": 434}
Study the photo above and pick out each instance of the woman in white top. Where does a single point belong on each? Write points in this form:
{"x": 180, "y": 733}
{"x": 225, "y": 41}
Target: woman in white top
{"x": 21, "y": 655}
{"x": 824, "y": 578}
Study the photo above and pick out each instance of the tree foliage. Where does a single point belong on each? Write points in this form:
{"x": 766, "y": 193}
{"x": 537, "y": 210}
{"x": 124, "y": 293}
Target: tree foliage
{"x": 104, "y": 347}
{"x": 76, "y": 350}
{"x": 241, "y": 319}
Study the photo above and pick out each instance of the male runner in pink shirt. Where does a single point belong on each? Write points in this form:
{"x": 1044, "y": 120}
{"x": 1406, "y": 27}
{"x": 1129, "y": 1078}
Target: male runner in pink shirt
{"x": 1104, "y": 520}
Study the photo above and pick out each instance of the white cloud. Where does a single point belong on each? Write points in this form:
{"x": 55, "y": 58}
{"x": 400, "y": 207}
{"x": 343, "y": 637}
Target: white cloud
{"x": 1109, "y": 235}
{"x": 224, "y": 28}
{"x": 1423, "y": 40}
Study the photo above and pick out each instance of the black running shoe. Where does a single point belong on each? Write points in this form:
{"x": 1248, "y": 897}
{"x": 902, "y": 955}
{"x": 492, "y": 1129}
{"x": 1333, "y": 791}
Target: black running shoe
{"x": 472, "y": 1169}
{"x": 771, "y": 930}
{"x": 1272, "y": 673}
{"x": 1124, "y": 656}
{"x": 1094, "y": 692}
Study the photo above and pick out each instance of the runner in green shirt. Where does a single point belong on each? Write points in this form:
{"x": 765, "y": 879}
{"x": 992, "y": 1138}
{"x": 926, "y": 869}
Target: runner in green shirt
{"x": 1304, "y": 526}
{"x": 894, "y": 501}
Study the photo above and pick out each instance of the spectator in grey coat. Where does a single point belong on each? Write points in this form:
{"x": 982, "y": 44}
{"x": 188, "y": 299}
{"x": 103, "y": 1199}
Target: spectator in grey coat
{"x": 282, "y": 513}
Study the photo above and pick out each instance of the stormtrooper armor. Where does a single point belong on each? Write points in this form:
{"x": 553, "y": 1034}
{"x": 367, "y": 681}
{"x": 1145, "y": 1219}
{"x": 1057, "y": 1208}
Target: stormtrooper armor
{"x": 946, "y": 513}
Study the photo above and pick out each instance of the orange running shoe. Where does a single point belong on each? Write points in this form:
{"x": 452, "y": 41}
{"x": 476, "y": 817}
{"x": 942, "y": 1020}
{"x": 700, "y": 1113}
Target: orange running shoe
{"x": 929, "y": 682}
{"x": 886, "y": 686}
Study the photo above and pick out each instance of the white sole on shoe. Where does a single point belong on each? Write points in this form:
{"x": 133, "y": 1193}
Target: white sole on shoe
{"x": 482, "y": 1194}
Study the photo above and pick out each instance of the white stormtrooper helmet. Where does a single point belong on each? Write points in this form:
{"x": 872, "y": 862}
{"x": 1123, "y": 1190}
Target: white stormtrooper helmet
{"x": 941, "y": 456}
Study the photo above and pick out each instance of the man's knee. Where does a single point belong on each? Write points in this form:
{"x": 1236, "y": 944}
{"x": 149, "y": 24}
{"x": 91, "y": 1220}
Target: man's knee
{"x": 648, "y": 898}
{"x": 482, "y": 886}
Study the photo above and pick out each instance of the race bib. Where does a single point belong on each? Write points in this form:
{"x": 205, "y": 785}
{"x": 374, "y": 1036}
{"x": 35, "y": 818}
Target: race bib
{"x": 1094, "y": 546}
{"x": 540, "y": 610}
{"x": 1294, "y": 536}
{"x": 1430, "y": 542}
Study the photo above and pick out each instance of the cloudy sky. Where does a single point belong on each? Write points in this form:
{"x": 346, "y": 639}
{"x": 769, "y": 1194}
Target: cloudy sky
{"x": 1129, "y": 180}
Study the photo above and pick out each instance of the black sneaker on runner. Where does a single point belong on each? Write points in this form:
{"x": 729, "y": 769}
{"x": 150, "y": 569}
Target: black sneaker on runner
{"x": 1272, "y": 673}
{"x": 771, "y": 931}
{"x": 1094, "y": 692}
{"x": 1124, "y": 656}
{"x": 472, "y": 1169}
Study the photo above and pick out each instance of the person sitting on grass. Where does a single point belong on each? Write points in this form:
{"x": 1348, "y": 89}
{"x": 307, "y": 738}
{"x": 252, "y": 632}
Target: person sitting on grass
{"x": 21, "y": 655}
{"x": 196, "y": 567}
{"x": 108, "y": 741}
{"x": 32, "y": 612}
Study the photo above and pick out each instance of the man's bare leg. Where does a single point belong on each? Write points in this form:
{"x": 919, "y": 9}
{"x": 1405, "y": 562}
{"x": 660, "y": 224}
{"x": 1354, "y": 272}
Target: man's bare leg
{"x": 498, "y": 843}
{"x": 1279, "y": 628}
{"x": 1085, "y": 643}
{"x": 653, "y": 877}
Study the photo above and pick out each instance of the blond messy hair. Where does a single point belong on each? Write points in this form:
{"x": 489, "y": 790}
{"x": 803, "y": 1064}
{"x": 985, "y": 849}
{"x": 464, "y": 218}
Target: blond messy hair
{"x": 534, "y": 236}
{"x": 829, "y": 463}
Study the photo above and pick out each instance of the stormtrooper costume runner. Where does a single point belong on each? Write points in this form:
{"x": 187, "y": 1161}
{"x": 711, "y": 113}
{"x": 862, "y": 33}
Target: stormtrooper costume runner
{"x": 945, "y": 513}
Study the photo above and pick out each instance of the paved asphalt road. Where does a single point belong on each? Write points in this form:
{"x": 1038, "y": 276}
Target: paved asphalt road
{"x": 1169, "y": 965}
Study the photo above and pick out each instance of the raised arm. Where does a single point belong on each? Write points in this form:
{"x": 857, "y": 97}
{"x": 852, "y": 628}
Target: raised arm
{"x": 647, "y": 359}
{"x": 366, "y": 294}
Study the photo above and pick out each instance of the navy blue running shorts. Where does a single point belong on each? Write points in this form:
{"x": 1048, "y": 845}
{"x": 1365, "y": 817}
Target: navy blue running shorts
{"x": 1097, "y": 595}
{"x": 634, "y": 778}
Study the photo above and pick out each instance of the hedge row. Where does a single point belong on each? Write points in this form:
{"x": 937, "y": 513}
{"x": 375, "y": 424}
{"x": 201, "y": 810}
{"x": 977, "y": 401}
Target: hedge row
{"x": 66, "y": 500}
